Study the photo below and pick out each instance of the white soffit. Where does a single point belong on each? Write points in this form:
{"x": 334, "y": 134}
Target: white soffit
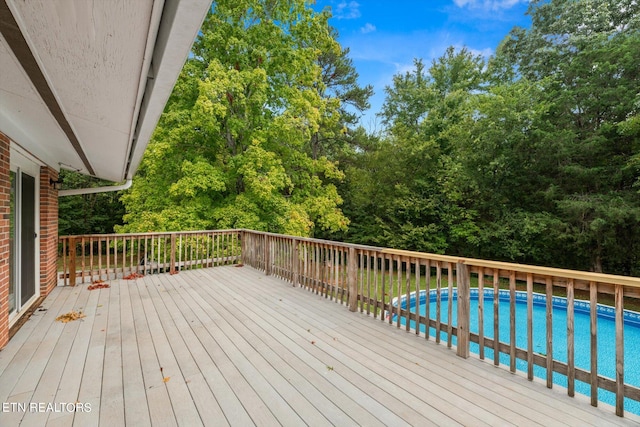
{"x": 24, "y": 117}
{"x": 95, "y": 56}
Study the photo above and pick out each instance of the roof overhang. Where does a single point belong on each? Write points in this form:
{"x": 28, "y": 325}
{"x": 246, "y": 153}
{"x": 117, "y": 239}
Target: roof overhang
{"x": 83, "y": 83}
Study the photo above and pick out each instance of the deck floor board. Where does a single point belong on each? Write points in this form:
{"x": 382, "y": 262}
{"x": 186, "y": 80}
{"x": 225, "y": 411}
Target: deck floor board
{"x": 231, "y": 346}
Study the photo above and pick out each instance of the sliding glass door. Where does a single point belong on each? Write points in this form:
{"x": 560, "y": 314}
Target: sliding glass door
{"x": 13, "y": 277}
{"x": 23, "y": 238}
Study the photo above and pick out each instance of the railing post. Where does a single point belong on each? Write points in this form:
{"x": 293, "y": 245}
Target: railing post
{"x": 352, "y": 279}
{"x": 172, "y": 262}
{"x": 72, "y": 261}
{"x": 619, "y": 301}
{"x": 267, "y": 255}
{"x": 296, "y": 263}
{"x": 463, "y": 279}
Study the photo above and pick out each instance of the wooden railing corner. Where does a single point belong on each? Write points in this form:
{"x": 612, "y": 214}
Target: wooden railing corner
{"x": 352, "y": 279}
{"x": 72, "y": 261}
{"x": 464, "y": 308}
{"x": 172, "y": 258}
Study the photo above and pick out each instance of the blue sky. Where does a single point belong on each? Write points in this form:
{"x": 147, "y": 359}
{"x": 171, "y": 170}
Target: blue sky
{"x": 385, "y": 36}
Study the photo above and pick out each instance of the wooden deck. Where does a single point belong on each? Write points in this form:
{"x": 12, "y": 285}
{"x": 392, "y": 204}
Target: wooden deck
{"x": 231, "y": 346}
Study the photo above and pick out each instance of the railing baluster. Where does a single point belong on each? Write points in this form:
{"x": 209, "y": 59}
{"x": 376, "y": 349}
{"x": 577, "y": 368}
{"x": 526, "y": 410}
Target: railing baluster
{"x": 619, "y": 297}
{"x": 138, "y": 255}
{"x": 398, "y": 289}
{"x": 450, "y": 305}
{"x": 571, "y": 367}
{"x": 496, "y": 317}
{"x": 530, "y": 326}
{"x": 296, "y": 263}
{"x": 512, "y": 321}
{"x": 362, "y": 284}
{"x": 83, "y": 258}
{"x": 427, "y": 315}
{"x": 131, "y": 245}
{"x": 407, "y": 285}
{"x": 481, "y": 313}
{"x": 91, "y": 258}
{"x": 383, "y": 309}
{"x": 336, "y": 273}
{"x": 593, "y": 317}
{"x": 352, "y": 280}
{"x": 316, "y": 268}
{"x": 464, "y": 296}
{"x": 374, "y": 254}
{"x": 108, "y": 258}
{"x": 438, "y": 299}
{"x": 391, "y": 307}
{"x": 549, "y": 301}
{"x": 64, "y": 262}
{"x": 72, "y": 261}
{"x": 416, "y": 304}
{"x": 100, "y": 258}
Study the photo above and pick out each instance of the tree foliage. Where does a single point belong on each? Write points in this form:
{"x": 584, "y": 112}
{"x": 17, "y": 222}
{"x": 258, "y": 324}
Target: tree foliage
{"x": 242, "y": 142}
{"x": 531, "y": 157}
{"x": 87, "y": 213}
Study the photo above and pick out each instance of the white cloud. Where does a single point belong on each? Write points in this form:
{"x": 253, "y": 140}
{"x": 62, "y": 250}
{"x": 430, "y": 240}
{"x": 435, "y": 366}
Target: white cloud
{"x": 368, "y": 28}
{"x": 488, "y": 4}
{"x": 484, "y": 53}
{"x": 347, "y": 10}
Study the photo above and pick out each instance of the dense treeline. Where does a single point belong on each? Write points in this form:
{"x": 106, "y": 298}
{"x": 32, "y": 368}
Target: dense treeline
{"x": 88, "y": 213}
{"x": 532, "y": 155}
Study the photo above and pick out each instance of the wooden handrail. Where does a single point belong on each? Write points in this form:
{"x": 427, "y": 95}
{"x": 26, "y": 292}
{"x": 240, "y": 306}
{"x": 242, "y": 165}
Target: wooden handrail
{"x": 537, "y": 271}
{"x": 386, "y": 284}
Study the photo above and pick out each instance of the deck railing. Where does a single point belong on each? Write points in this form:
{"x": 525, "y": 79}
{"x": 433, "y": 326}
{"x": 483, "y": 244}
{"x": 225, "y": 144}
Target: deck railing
{"x": 96, "y": 257}
{"x": 380, "y": 282}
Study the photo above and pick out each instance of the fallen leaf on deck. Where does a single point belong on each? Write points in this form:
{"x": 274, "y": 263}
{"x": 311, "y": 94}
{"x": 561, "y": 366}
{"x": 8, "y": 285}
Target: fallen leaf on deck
{"x": 239, "y": 265}
{"x": 100, "y": 285}
{"x": 313, "y": 342}
{"x": 133, "y": 276}
{"x": 166, "y": 379}
{"x": 70, "y": 316}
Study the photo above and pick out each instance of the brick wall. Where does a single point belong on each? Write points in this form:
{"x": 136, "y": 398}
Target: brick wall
{"x": 48, "y": 230}
{"x": 5, "y": 189}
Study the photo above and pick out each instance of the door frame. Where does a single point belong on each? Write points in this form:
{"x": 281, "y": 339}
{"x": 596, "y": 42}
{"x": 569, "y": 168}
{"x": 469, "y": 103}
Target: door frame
{"x": 23, "y": 162}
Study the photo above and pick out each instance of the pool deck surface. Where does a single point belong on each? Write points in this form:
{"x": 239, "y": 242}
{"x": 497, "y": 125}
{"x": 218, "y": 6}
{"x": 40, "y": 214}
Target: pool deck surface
{"x": 231, "y": 346}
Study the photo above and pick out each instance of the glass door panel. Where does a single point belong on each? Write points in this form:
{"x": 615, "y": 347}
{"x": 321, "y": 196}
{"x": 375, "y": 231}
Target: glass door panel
{"x": 13, "y": 279}
{"x": 27, "y": 238}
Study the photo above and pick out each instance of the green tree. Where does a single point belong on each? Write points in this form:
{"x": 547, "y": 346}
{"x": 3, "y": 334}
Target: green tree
{"x": 400, "y": 192}
{"x": 339, "y": 84}
{"x": 87, "y": 213}
{"x": 229, "y": 150}
{"x": 585, "y": 54}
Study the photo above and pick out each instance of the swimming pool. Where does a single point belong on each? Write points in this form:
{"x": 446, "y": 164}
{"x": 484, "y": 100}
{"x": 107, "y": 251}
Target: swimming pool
{"x": 582, "y": 343}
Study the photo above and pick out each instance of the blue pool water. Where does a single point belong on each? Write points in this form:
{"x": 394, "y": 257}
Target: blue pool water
{"x": 582, "y": 342}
